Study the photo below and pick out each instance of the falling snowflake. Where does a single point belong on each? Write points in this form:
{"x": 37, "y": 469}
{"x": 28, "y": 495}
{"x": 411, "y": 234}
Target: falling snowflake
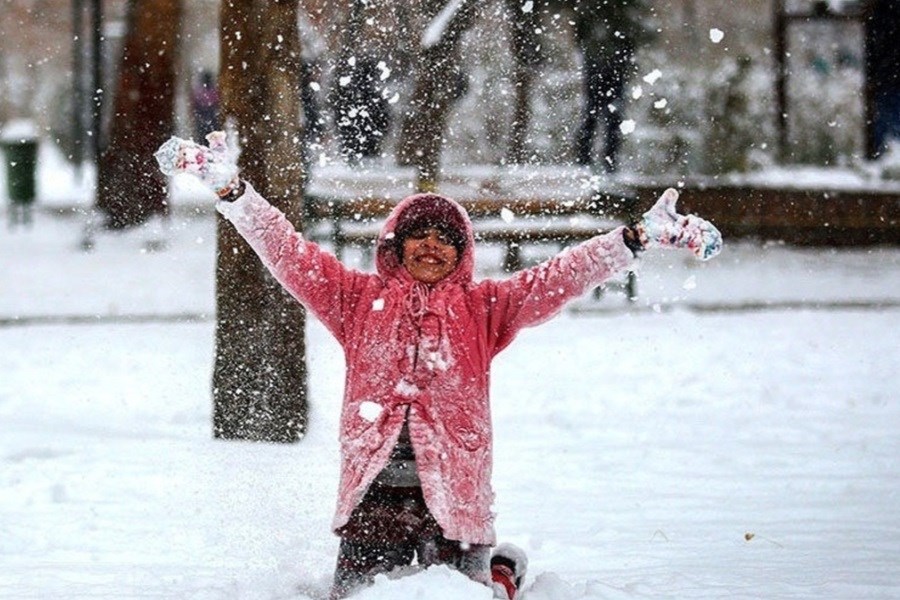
{"x": 385, "y": 70}
{"x": 661, "y": 103}
{"x": 653, "y": 76}
{"x": 627, "y": 126}
{"x": 716, "y": 35}
{"x": 507, "y": 215}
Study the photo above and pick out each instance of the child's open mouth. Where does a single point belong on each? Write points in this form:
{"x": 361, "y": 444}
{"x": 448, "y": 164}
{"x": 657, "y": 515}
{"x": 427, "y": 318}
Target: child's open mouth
{"x": 430, "y": 259}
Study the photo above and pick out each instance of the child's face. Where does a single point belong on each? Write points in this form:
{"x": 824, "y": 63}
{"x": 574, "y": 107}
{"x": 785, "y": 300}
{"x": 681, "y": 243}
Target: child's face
{"x": 428, "y": 255}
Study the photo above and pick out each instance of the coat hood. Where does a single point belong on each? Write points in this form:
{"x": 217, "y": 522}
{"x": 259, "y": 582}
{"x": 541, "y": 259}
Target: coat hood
{"x": 433, "y": 209}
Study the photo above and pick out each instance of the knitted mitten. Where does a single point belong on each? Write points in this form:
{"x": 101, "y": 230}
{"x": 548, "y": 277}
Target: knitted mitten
{"x": 215, "y": 165}
{"x": 662, "y": 227}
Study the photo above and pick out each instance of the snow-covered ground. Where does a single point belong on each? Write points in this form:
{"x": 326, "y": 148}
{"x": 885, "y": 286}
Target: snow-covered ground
{"x": 734, "y": 434}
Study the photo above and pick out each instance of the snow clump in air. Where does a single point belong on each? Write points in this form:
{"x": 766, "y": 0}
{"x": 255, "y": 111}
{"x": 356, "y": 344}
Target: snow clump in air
{"x": 434, "y": 33}
{"x": 369, "y": 410}
{"x": 507, "y": 215}
{"x": 385, "y": 70}
{"x": 716, "y": 35}
{"x": 653, "y": 76}
{"x": 627, "y": 126}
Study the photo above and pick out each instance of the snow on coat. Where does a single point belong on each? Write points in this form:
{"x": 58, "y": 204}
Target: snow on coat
{"x": 421, "y": 352}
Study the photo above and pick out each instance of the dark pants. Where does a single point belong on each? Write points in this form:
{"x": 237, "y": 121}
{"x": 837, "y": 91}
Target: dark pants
{"x": 387, "y": 530}
{"x": 604, "y": 84}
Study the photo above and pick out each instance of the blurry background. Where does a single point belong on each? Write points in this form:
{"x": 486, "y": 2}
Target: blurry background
{"x": 712, "y": 109}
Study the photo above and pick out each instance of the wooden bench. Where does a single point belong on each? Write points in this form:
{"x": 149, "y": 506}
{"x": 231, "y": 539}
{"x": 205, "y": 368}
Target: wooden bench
{"x": 357, "y": 222}
{"x": 557, "y": 218}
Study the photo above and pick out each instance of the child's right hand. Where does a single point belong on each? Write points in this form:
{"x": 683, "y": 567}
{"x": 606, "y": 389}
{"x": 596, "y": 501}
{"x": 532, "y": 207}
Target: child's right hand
{"x": 215, "y": 165}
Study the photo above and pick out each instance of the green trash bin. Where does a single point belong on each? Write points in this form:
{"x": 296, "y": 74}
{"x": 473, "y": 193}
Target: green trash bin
{"x": 19, "y": 143}
{"x": 21, "y": 165}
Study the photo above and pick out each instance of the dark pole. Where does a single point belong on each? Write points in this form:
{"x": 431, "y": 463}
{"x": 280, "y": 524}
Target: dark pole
{"x": 871, "y": 148}
{"x": 96, "y": 78}
{"x": 781, "y": 79}
{"x": 78, "y": 86}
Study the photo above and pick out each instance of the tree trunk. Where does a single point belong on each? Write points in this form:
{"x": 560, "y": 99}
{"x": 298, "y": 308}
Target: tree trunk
{"x": 439, "y": 81}
{"x": 259, "y": 377}
{"x": 524, "y": 45}
{"x": 129, "y": 187}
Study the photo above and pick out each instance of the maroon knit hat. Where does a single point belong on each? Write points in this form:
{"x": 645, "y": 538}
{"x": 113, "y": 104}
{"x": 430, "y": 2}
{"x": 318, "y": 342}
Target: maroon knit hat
{"x": 430, "y": 210}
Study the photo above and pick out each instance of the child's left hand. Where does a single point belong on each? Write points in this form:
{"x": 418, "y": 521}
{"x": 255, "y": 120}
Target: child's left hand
{"x": 663, "y": 227}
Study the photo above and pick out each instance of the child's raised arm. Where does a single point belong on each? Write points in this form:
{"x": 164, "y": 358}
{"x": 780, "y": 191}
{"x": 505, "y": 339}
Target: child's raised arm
{"x": 314, "y": 277}
{"x": 534, "y": 295}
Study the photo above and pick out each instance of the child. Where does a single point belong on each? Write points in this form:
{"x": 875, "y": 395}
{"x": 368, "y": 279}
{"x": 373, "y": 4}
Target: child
{"x": 419, "y": 337}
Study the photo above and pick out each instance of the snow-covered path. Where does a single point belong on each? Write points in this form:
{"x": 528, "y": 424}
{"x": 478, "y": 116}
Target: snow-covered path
{"x": 636, "y": 451}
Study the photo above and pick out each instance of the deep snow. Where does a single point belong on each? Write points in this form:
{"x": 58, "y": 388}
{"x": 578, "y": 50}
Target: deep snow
{"x": 732, "y": 435}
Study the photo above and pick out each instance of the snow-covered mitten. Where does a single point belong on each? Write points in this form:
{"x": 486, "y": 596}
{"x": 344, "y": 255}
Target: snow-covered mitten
{"x": 508, "y": 566}
{"x": 662, "y": 227}
{"x": 215, "y": 165}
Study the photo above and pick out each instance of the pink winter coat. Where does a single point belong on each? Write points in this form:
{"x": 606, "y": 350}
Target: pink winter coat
{"x": 421, "y": 351}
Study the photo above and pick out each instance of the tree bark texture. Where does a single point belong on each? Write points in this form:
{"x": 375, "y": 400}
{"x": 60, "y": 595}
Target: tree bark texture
{"x": 130, "y": 188}
{"x": 259, "y": 376}
{"x": 439, "y": 81}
